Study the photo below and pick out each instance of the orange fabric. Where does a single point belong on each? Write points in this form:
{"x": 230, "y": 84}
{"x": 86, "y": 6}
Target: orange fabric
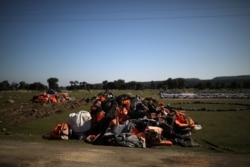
{"x": 180, "y": 117}
{"x": 137, "y": 133}
{"x": 161, "y": 104}
{"x": 60, "y": 131}
{"x": 124, "y": 111}
{"x": 43, "y": 98}
{"x": 121, "y": 115}
{"x": 126, "y": 104}
{"x": 100, "y": 116}
{"x": 184, "y": 120}
{"x": 182, "y": 125}
{"x": 163, "y": 143}
{"x": 53, "y": 99}
{"x": 113, "y": 122}
{"x": 101, "y": 98}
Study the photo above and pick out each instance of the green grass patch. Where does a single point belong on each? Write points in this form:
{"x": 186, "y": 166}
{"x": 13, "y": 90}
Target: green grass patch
{"x": 223, "y": 131}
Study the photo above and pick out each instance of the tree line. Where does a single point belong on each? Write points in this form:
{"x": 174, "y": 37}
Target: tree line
{"x": 178, "y": 83}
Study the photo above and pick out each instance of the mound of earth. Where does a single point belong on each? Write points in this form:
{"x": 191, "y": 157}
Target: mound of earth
{"x": 27, "y": 111}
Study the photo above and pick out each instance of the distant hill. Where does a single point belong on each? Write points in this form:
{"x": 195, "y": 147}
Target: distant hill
{"x": 226, "y": 78}
{"x": 221, "y": 78}
{"x": 194, "y": 81}
{"x": 218, "y": 82}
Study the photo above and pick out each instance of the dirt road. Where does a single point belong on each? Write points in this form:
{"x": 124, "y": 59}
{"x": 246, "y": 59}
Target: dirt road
{"x": 63, "y": 154}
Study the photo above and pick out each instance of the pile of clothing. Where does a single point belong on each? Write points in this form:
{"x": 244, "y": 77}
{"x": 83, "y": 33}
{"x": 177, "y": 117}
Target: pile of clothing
{"x": 50, "y": 96}
{"x": 128, "y": 120}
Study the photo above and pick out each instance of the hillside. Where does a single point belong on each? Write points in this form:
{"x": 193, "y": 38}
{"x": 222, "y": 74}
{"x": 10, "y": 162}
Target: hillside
{"x": 191, "y": 82}
{"x": 232, "y": 78}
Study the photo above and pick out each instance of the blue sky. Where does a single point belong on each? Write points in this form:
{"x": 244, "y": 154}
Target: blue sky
{"x": 133, "y": 40}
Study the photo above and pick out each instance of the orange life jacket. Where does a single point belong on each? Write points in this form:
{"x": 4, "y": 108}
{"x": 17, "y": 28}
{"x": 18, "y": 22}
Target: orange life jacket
{"x": 126, "y": 104}
{"x": 53, "y": 99}
{"x": 60, "y": 131}
{"x": 184, "y": 120}
{"x": 100, "y": 98}
{"x": 43, "y": 98}
{"x": 121, "y": 113}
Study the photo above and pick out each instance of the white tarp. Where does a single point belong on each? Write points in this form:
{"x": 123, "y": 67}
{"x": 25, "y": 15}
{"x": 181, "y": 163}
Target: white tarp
{"x": 80, "y": 122}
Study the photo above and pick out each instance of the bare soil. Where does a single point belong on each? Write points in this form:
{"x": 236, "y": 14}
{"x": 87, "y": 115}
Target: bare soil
{"x": 27, "y": 111}
{"x": 64, "y": 154}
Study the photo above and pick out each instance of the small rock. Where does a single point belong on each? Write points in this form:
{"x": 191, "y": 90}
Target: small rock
{"x": 11, "y": 101}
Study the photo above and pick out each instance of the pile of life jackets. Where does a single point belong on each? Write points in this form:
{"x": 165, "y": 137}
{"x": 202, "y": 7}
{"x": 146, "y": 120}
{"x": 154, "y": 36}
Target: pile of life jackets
{"x": 130, "y": 121}
{"x": 50, "y": 97}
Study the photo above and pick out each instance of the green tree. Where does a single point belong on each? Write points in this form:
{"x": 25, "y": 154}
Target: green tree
{"x": 139, "y": 86}
{"x": 111, "y": 85}
{"x": 180, "y": 83}
{"x": 131, "y": 85}
{"x": 209, "y": 85}
{"x": 4, "y": 85}
{"x": 105, "y": 85}
{"x": 14, "y": 86}
{"x": 120, "y": 84}
{"x": 71, "y": 83}
{"x": 235, "y": 85}
{"x": 53, "y": 83}
{"x": 83, "y": 85}
{"x": 23, "y": 85}
{"x": 200, "y": 85}
{"x": 76, "y": 83}
{"x": 170, "y": 83}
{"x": 152, "y": 85}
{"x": 246, "y": 84}
{"x": 37, "y": 86}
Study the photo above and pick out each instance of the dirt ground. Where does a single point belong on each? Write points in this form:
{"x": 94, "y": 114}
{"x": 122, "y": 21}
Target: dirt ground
{"x": 14, "y": 153}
